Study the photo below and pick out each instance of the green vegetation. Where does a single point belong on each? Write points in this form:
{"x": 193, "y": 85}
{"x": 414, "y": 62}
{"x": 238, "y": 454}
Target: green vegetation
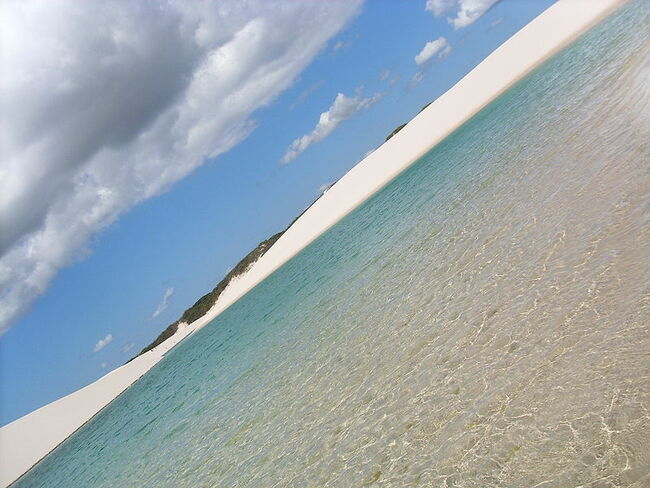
{"x": 205, "y": 303}
{"x": 164, "y": 335}
{"x": 395, "y": 131}
{"x": 404, "y": 125}
{"x": 425, "y": 106}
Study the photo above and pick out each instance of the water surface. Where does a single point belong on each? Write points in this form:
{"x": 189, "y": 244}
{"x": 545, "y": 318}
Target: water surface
{"x": 482, "y": 321}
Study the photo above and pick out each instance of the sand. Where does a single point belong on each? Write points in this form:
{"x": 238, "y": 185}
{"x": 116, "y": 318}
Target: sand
{"x": 547, "y": 34}
{"x": 30, "y": 438}
{"x": 27, "y": 440}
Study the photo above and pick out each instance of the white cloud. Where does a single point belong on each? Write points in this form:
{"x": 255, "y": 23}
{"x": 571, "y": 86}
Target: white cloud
{"x": 340, "y": 46}
{"x": 439, "y": 7}
{"x": 106, "y": 104}
{"x": 163, "y": 303}
{"x": 104, "y": 365}
{"x": 496, "y": 22}
{"x": 417, "y": 78}
{"x": 465, "y": 12}
{"x": 305, "y": 94}
{"x": 342, "y": 109}
{"x": 102, "y": 343}
{"x": 440, "y": 46}
{"x": 127, "y": 347}
{"x": 384, "y": 75}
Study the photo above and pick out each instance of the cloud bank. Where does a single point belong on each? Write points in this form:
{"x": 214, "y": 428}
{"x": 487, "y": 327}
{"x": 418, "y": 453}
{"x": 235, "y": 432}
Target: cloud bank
{"x": 342, "y": 109}
{"x": 440, "y": 46}
{"x": 102, "y": 343}
{"x": 163, "y": 303}
{"x": 106, "y": 104}
{"x": 464, "y": 12}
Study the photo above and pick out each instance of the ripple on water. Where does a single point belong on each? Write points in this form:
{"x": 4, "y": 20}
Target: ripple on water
{"x": 482, "y": 321}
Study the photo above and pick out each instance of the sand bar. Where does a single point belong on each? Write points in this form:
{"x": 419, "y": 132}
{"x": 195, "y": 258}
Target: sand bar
{"x": 27, "y": 440}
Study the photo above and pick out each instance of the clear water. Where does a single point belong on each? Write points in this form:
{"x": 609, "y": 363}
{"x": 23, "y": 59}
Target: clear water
{"x": 482, "y": 321}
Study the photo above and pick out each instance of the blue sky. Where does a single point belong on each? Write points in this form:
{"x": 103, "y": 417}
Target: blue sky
{"x": 133, "y": 271}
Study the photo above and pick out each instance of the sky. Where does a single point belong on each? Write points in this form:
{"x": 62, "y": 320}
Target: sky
{"x": 146, "y": 147}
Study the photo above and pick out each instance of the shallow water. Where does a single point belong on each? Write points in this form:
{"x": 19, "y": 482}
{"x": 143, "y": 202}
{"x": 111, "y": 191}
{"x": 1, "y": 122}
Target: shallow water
{"x": 482, "y": 321}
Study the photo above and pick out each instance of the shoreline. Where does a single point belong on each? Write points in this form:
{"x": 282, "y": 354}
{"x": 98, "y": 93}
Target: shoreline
{"x": 530, "y": 47}
{"x": 27, "y": 440}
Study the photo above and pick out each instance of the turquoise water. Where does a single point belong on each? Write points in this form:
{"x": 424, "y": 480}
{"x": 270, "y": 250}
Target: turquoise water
{"x": 482, "y": 321}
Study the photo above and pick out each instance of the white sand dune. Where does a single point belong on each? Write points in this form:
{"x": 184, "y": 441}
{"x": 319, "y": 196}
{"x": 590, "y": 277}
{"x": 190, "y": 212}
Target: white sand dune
{"x": 28, "y": 439}
{"x": 551, "y": 31}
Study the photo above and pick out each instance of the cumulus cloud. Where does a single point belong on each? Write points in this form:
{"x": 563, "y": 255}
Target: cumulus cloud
{"x": 106, "y": 104}
{"x": 463, "y": 12}
{"x": 342, "y": 109}
{"x": 127, "y": 347}
{"x": 102, "y": 343}
{"x": 163, "y": 303}
{"x": 383, "y": 76}
{"x": 439, "y": 46}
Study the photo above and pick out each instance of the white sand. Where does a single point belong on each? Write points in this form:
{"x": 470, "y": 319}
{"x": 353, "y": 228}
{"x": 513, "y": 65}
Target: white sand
{"x": 551, "y": 31}
{"x": 28, "y": 439}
